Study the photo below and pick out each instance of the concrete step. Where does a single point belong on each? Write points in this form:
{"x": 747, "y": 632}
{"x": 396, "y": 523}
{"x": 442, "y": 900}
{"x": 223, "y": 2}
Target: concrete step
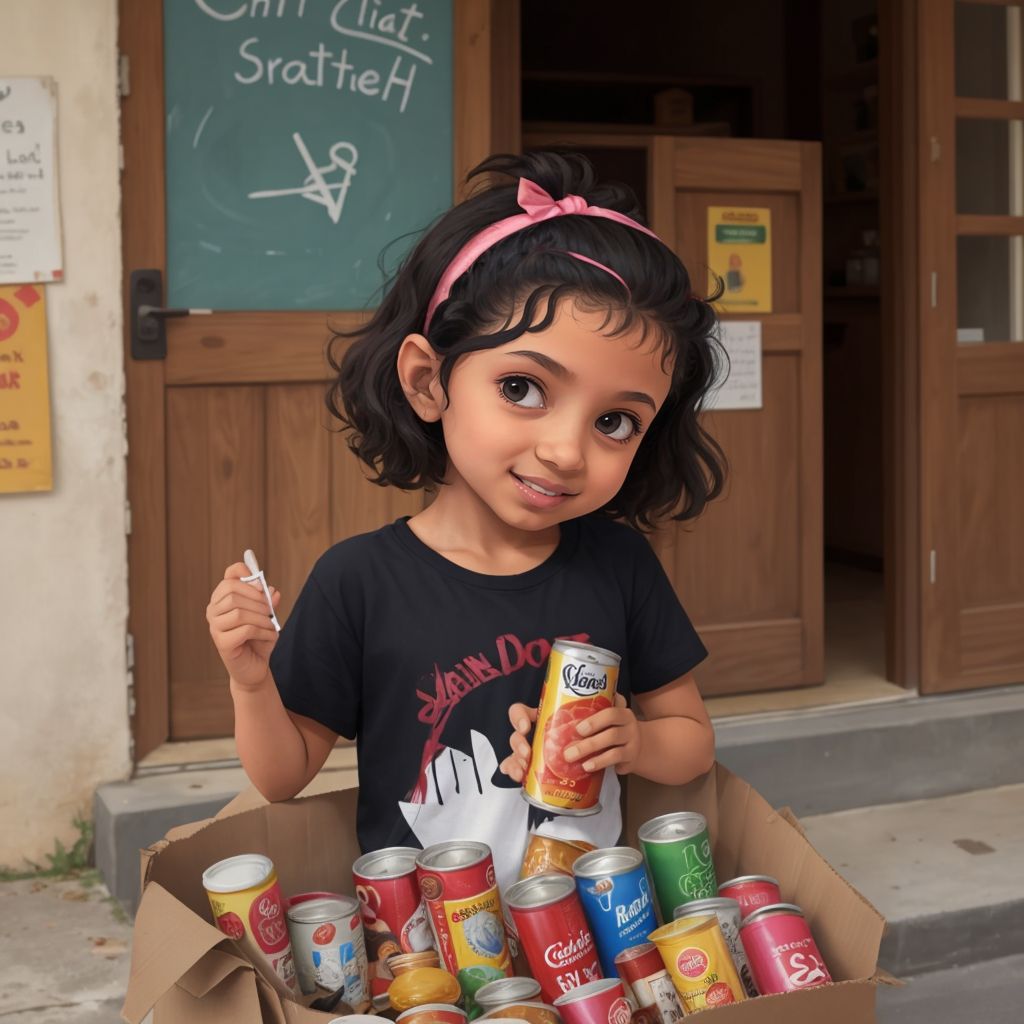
{"x": 945, "y": 873}
{"x": 831, "y": 759}
{"x": 992, "y": 992}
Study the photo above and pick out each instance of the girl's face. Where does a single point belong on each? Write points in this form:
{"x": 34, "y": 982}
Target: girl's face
{"x": 544, "y": 428}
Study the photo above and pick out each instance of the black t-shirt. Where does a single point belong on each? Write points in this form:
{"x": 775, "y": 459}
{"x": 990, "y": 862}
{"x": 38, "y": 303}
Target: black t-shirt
{"x": 419, "y": 659}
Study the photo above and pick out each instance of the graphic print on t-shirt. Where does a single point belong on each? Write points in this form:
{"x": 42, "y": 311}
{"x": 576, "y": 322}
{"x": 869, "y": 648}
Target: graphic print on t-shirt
{"x": 455, "y": 795}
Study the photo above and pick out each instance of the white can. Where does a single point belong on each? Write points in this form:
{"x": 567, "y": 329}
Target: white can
{"x": 328, "y": 945}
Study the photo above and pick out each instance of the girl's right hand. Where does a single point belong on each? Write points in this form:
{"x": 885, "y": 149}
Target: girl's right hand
{"x": 241, "y": 628}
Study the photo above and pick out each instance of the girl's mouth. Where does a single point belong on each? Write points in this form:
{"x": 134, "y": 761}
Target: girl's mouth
{"x": 540, "y": 495}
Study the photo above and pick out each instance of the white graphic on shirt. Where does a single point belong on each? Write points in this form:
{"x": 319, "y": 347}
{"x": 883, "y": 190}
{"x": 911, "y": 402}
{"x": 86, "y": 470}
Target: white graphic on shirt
{"x": 462, "y": 802}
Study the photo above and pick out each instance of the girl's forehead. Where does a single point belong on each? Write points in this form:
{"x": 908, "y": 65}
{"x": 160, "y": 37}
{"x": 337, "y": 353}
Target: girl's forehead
{"x": 588, "y": 343}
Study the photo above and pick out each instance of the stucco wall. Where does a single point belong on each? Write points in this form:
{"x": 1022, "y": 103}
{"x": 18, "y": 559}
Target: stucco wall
{"x": 63, "y": 559}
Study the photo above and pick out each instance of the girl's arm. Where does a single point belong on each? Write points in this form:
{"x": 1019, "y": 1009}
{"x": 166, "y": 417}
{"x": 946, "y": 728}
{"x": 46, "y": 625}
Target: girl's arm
{"x": 280, "y": 751}
{"x": 672, "y": 744}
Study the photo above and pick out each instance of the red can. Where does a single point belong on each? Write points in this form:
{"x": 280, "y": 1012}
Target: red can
{"x": 458, "y": 884}
{"x": 643, "y": 971}
{"x": 554, "y": 933}
{"x": 751, "y": 892}
{"x": 394, "y": 915}
{"x": 597, "y": 1002}
{"x": 783, "y": 954}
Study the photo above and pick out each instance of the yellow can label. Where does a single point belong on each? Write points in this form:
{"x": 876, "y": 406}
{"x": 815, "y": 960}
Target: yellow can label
{"x": 477, "y": 930}
{"x": 574, "y": 688}
{"x": 699, "y": 963}
{"x": 255, "y": 919}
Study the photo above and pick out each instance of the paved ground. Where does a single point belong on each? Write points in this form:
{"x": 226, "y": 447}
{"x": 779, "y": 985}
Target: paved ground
{"x": 64, "y": 955}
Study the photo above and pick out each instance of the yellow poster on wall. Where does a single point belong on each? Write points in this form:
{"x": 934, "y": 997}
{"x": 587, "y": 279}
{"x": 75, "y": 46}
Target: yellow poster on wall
{"x": 740, "y": 253}
{"x": 26, "y": 459}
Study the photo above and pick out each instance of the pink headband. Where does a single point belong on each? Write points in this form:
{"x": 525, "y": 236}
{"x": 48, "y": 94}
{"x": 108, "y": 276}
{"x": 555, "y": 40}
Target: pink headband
{"x": 539, "y": 206}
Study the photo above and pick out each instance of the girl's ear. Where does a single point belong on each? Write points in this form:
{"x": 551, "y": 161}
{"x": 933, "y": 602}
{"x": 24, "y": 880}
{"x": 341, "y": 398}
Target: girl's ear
{"x": 418, "y": 366}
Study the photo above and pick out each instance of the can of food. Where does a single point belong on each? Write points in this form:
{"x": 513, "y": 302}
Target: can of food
{"x": 528, "y": 1012}
{"x": 580, "y": 681}
{"x": 751, "y": 892}
{"x": 457, "y": 881}
{"x": 327, "y": 941}
{"x": 699, "y": 963}
{"x": 553, "y": 930}
{"x": 643, "y": 972}
{"x": 401, "y": 963}
{"x": 433, "y": 1013}
{"x": 728, "y": 913}
{"x": 546, "y": 855}
{"x": 505, "y": 991}
{"x": 783, "y": 954}
{"x": 423, "y": 985}
{"x": 246, "y": 901}
{"x": 678, "y": 854}
{"x": 597, "y": 1002}
{"x": 616, "y": 898}
{"x": 395, "y": 918}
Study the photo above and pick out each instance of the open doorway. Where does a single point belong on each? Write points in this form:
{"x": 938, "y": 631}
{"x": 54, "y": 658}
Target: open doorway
{"x": 786, "y": 69}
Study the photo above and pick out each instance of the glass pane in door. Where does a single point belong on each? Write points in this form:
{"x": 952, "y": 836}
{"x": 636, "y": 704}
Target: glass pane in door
{"x": 990, "y": 303}
{"x": 989, "y": 167}
{"x": 988, "y": 51}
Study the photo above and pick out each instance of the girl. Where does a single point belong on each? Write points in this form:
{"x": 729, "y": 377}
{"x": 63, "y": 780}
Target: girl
{"x": 539, "y": 363}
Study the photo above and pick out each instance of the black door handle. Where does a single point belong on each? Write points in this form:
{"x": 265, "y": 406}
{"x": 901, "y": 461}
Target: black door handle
{"x": 149, "y": 337}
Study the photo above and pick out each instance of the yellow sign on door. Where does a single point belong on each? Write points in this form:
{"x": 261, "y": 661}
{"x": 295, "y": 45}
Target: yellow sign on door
{"x": 26, "y": 460}
{"x": 740, "y": 252}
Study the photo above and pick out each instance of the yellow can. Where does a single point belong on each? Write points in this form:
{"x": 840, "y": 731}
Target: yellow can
{"x": 580, "y": 681}
{"x": 698, "y": 961}
{"x": 245, "y": 898}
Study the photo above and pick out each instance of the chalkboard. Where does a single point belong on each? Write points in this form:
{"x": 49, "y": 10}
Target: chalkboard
{"x": 303, "y": 136}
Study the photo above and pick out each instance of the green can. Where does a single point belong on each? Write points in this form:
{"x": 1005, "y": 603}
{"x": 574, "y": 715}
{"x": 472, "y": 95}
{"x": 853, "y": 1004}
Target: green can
{"x": 678, "y": 854}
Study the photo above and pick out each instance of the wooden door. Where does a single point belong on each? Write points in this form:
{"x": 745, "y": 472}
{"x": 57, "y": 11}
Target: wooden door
{"x": 750, "y": 570}
{"x": 970, "y": 295}
{"x": 228, "y": 440}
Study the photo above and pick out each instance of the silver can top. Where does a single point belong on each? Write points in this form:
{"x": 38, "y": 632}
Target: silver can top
{"x": 587, "y": 652}
{"x": 770, "y": 911}
{"x": 324, "y": 908}
{"x": 611, "y": 861}
{"x": 235, "y": 874}
{"x": 538, "y": 891}
{"x": 503, "y": 991}
{"x": 456, "y": 853}
{"x": 669, "y": 828}
{"x": 713, "y": 904}
{"x": 391, "y": 862}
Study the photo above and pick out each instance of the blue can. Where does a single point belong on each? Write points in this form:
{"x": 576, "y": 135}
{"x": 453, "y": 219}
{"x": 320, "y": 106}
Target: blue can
{"x": 616, "y": 897}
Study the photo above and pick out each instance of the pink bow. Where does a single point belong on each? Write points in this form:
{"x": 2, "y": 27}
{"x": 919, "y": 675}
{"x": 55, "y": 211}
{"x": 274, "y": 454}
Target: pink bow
{"x": 540, "y": 206}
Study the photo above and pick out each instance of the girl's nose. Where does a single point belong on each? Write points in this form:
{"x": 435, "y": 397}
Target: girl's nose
{"x": 561, "y": 449}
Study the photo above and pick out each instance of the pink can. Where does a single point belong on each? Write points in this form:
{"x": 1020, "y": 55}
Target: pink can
{"x": 783, "y": 954}
{"x": 751, "y": 892}
{"x": 598, "y": 1002}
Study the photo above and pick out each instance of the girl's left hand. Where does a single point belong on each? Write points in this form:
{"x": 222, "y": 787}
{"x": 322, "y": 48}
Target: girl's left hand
{"x": 611, "y": 737}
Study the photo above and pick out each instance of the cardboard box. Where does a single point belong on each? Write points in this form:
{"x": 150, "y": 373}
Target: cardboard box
{"x": 192, "y": 974}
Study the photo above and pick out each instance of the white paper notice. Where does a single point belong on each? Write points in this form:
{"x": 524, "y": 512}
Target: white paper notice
{"x": 30, "y": 242}
{"x": 741, "y": 339}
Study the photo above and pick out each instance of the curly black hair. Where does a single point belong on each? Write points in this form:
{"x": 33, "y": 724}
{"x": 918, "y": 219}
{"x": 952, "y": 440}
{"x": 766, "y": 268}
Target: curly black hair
{"x": 678, "y": 466}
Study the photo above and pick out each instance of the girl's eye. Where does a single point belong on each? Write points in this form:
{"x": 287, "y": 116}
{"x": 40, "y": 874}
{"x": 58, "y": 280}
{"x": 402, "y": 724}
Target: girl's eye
{"x": 618, "y": 426}
{"x": 521, "y": 391}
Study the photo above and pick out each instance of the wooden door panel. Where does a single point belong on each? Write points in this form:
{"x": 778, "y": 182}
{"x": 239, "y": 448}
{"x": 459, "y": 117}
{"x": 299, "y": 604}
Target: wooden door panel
{"x": 216, "y": 484}
{"x": 756, "y": 517}
{"x": 298, "y": 487}
{"x": 972, "y": 415}
{"x": 749, "y": 570}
